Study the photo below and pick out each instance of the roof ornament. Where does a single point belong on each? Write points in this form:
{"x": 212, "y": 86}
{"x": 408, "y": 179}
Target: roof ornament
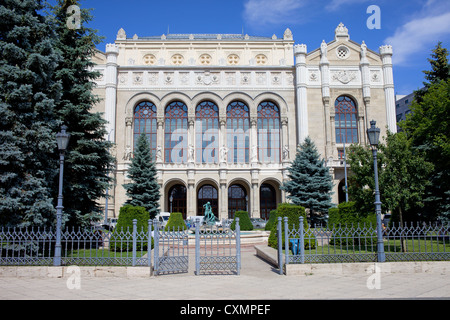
{"x": 121, "y": 35}
{"x": 341, "y": 32}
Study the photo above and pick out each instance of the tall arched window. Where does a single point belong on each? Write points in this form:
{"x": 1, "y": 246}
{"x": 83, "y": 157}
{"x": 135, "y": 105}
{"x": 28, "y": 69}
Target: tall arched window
{"x": 346, "y": 123}
{"x": 268, "y": 132}
{"x": 238, "y": 132}
{"x": 207, "y": 132}
{"x": 207, "y": 193}
{"x": 176, "y": 133}
{"x": 177, "y": 199}
{"x": 268, "y": 200}
{"x": 145, "y": 122}
{"x": 237, "y": 200}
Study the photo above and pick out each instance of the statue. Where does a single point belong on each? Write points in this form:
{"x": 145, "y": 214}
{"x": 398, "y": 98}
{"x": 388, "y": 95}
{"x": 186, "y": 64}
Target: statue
{"x": 209, "y": 215}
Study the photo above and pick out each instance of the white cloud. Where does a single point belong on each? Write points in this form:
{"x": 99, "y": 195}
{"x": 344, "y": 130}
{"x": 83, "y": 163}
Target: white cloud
{"x": 265, "y": 12}
{"x": 418, "y": 34}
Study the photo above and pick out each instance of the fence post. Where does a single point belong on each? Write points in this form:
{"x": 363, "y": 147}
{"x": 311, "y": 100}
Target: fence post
{"x": 238, "y": 246}
{"x": 156, "y": 246}
{"x": 149, "y": 244}
{"x": 301, "y": 245}
{"x": 286, "y": 241}
{"x": 280, "y": 250}
{"x": 134, "y": 242}
{"x": 197, "y": 247}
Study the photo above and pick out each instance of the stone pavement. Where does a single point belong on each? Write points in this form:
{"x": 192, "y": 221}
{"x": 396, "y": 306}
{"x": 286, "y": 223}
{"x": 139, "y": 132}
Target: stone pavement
{"x": 258, "y": 281}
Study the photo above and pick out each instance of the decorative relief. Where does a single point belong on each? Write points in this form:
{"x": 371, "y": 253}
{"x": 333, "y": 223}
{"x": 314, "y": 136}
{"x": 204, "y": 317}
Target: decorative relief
{"x": 153, "y": 78}
{"x": 230, "y": 78}
{"x": 184, "y": 78}
{"x": 276, "y": 78}
{"x": 138, "y": 78}
{"x": 290, "y": 78}
{"x": 375, "y": 76}
{"x": 207, "y": 78}
{"x": 168, "y": 78}
{"x": 123, "y": 77}
{"x": 314, "y": 76}
{"x": 261, "y": 78}
{"x": 245, "y": 78}
{"x": 343, "y": 76}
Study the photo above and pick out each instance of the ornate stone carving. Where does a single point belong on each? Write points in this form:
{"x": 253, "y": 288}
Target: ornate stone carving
{"x": 344, "y": 76}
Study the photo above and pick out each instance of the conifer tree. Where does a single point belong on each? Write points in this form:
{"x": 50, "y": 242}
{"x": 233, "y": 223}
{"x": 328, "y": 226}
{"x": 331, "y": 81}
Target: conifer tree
{"x": 28, "y": 92}
{"x": 87, "y": 159}
{"x": 310, "y": 182}
{"x": 144, "y": 188}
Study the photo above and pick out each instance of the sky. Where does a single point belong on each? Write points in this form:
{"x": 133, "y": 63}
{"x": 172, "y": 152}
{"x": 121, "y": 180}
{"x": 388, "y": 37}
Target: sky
{"x": 412, "y": 27}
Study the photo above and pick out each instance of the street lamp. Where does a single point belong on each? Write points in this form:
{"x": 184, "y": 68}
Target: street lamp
{"x": 373, "y": 134}
{"x": 62, "y": 139}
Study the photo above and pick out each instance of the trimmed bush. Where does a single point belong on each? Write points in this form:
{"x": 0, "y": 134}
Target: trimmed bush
{"x": 122, "y": 237}
{"x": 175, "y": 222}
{"x": 349, "y": 227}
{"x": 293, "y": 213}
{"x": 244, "y": 221}
{"x": 272, "y": 220}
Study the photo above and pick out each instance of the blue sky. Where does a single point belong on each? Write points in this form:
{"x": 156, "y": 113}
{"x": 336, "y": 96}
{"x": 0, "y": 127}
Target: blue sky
{"x": 412, "y": 27}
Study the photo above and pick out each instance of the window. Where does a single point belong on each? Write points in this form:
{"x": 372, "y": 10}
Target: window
{"x": 149, "y": 59}
{"x": 177, "y": 199}
{"x": 207, "y": 132}
{"x": 205, "y": 59}
{"x": 261, "y": 59}
{"x": 237, "y": 200}
{"x": 207, "y": 193}
{"x": 145, "y": 122}
{"x": 268, "y": 200}
{"x": 176, "y": 133}
{"x": 177, "y": 59}
{"x": 238, "y": 132}
{"x": 346, "y": 120}
{"x": 268, "y": 132}
{"x": 233, "y": 59}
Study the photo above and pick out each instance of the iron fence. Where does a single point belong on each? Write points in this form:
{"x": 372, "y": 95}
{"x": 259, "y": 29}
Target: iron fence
{"x": 88, "y": 246}
{"x": 358, "y": 243}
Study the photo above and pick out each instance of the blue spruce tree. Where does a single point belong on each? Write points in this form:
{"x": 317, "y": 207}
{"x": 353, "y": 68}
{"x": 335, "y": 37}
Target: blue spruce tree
{"x": 87, "y": 158}
{"x": 28, "y": 92}
{"x": 144, "y": 188}
{"x": 310, "y": 182}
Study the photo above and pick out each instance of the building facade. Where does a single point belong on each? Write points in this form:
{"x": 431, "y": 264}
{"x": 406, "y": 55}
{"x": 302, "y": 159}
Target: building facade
{"x": 224, "y": 113}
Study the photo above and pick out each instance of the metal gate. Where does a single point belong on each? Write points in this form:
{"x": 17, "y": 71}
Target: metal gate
{"x": 171, "y": 251}
{"x": 217, "y": 249}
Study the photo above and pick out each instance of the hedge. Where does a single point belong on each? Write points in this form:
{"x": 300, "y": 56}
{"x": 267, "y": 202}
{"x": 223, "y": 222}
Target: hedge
{"x": 244, "y": 221}
{"x": 293, "y": 213}
{"x": 272, "y": 220}
{"x": 175, "y": 222}
{"x": 345, "y": 220}
{"x": 121, "y": 238}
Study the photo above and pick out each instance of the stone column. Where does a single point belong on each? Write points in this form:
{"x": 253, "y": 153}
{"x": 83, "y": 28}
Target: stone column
{"x": 112, "y": 51}
{"x": 302, "y": 106}
{"x": 365, "y": 76}
{"x": 253, "y": 140}
{"x": 386, "y": 55}
{"x": 160, "y": 139}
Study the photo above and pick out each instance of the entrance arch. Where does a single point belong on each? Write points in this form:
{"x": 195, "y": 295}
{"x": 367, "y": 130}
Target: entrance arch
{"x": 268, "y": 200}
{"x": 207, "y": 193}
{"x": 176, "y": 199}
{"x": 237, "y": 200}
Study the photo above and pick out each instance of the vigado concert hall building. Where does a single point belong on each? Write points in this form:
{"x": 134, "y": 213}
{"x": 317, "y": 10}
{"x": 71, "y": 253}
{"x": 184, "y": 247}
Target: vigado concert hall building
{"x": 224, "y": 113}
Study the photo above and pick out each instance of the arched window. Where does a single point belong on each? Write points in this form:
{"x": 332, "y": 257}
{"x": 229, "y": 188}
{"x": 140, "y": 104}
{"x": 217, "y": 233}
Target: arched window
{"x": 267, "y": 200}
{"x": 207, "y": 132}
{"x": 207, "y": 193}
{"x": 177, "y": 199}
{"x": 346, "y": 123}
{"x": 237, "y": 200}
{"x": 238, "y": 133}
{"x": 145, "y": 122}
{"x": 268, "y": 132}
{"x": 176, "y": 133}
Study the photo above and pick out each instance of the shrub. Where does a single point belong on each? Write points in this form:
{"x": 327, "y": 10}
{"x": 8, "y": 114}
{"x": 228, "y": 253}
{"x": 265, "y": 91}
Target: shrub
{"x": 272, "y": 220}
{"x": 122, "y": 237}
{"x": 293, "y": 213}
{"x": 175, "y": 222}
{"x": 349, "y": 227}
{"x": 244, "y": 221}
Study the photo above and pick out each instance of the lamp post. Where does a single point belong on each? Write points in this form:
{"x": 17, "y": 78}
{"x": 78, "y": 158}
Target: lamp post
{"x": 62, "y": 139}
{"x": 373, "y": 134}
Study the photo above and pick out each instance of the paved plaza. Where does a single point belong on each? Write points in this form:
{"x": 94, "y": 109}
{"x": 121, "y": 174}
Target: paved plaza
{"x": 258, "y": 281}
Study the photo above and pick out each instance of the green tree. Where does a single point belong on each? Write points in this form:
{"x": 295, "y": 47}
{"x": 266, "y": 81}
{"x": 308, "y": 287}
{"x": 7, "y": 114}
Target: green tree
{"x": 405, "y": 174}
{"x": 87, "y": 158}
{"x": 428, "y": 129}
{"x": 28, "y": 91}
{"x": 310, "y": 182}
{"x": 144, "y": 189}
